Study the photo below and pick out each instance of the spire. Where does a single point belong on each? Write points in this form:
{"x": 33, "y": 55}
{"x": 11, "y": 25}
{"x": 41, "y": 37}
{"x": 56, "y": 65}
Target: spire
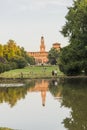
{"x": 42, "y": 46}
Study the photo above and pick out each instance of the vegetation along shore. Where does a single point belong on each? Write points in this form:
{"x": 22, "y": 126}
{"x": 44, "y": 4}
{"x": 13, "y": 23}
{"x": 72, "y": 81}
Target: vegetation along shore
{"x": 31, "y": 72}
{"x": 35, "y": 72}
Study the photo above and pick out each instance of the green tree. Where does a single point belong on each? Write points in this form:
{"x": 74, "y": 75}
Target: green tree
{"x": 69, "y": 61}
{"x": 5, "y": 51}
{"x": 1, "y": 50}
{"x": 30, "y": 60}
{"x": 76, "y": 29}
{"x": 53, "y": 56}
{"x": 15, "y": 55}
{"x": 20, "y": 62}
{"x": 23, "y": 52}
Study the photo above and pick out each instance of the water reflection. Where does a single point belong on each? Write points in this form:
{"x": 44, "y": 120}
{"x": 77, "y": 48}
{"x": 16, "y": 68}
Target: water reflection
{"x": 11, "y": 95}
{"x": 70, "y": 93}
{"x": 75, "y": 97}
{"x": 40, "y": 86}
{"x": 55, "y": 88}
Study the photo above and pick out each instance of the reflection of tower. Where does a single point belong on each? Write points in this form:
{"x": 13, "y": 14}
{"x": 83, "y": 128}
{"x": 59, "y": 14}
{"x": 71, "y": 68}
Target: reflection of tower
{"x": 43, "y": 95}
{"x": 42, "y": 87}
{"x": 42, "y": 46}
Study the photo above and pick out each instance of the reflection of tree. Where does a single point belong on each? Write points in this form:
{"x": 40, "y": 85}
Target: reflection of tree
{"x": 75, "y": 97}
{"x": 12, "y": 94}
{"x": 30, "y": 83}
{"x": 55, "y": 88}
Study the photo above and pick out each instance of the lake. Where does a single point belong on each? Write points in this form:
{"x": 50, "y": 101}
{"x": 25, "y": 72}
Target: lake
{"x": 53, "y": 104}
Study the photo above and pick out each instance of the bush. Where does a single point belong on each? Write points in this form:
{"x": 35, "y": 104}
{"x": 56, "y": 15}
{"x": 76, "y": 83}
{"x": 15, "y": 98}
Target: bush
{"x": 20, "y": 62}
{"x": 6, "y": 67}
{"x": 2, "y": 60}
{"x": 1, "y": 68}
{"x": 30, "y": 60}
{"x": 13, "y": 65}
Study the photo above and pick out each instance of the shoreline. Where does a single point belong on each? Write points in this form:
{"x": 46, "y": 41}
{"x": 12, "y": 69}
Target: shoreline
{"x": 49, "y": 77}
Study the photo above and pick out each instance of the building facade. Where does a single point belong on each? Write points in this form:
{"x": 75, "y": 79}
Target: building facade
{"x": 41, "y": 56}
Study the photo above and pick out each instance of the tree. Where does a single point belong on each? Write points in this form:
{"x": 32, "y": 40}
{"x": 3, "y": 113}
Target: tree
{"x": 76, "y": 29}
{"x": 12, "y": 56}
{"x": 1, "y": 50}
{"x": 53, "y": 55}
{"x": 30, "y": 60}
{"x": 69, "y": 61}
{"x": 20, "y": 62}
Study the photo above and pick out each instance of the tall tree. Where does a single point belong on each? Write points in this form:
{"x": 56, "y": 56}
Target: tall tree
{"x": 76, "y": 29}
{"x": 53, "y": 55}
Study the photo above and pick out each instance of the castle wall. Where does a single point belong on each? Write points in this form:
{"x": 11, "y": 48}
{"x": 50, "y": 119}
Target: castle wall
{"x": 41, "y": 56}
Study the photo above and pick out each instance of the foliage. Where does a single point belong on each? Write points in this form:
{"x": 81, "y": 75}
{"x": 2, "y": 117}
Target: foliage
{"x": 1, "y": 50}
{"x": 2, "y": 60}
{"x": 30, "y": 60}
{"x": 4, "y": 67}
{"x": 73, "y": 58}
{"x": 69, "y": 61}
{"x": 20, "y": 61}
{"x": 13, "y": 56}
{"x": 53, "y": 56}
{"x": 1, "y": 67}
{"x": 13, "y": 65}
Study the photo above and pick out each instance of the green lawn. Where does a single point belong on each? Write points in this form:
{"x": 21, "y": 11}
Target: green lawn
{"x": 31, "y": 72}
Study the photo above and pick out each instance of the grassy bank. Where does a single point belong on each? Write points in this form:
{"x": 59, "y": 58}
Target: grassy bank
{"x": 31, "y": 72}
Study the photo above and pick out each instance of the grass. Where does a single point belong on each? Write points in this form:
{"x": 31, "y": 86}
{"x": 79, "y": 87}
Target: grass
{"x": 31, "y": 72}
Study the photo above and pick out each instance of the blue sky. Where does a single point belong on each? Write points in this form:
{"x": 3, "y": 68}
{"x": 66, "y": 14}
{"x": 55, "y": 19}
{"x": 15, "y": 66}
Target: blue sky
{"x": 25, "y": 21}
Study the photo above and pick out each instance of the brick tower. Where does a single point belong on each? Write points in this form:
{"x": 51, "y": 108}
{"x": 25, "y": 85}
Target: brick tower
{"x": 42, "y": 46}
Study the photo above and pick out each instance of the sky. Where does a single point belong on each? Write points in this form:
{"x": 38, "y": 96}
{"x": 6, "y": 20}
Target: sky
{"x": 25, "y": 21}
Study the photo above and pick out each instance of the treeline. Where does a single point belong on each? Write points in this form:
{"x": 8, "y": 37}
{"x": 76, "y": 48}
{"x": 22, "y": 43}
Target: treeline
{"x": 13, "y": 56}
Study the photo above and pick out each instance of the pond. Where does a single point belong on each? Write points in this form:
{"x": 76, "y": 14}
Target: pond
{"x": 42, "y": 104}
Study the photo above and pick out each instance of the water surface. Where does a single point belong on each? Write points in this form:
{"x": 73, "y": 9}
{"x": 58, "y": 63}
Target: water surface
{"x": 45, "y": 105}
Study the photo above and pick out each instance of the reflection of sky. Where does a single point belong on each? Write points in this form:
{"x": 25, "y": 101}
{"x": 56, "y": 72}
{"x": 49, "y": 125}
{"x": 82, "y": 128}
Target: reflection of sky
{"x": 29, "y": 114}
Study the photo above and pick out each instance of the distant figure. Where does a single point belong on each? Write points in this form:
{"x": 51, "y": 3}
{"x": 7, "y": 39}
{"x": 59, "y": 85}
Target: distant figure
{"x": 52, "y": 72}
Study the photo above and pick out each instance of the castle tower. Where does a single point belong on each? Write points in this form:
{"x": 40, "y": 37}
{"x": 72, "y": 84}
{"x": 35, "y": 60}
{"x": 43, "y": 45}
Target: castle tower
{"x": 56, "y": 46}
{"x": 42, "y": 46}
